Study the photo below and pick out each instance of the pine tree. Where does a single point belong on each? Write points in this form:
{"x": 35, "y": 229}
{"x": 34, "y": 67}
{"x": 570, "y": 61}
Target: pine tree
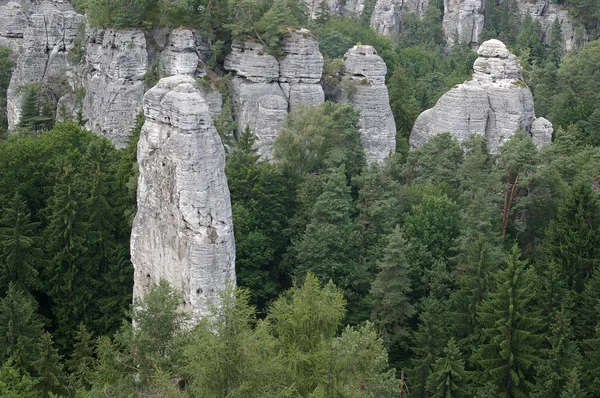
{"x": 21, "y": 251}
{"x": 591, "y": 361}
{"x": 448, "y": 377}
{"x": 48, "y": 368}
{"x": 391, "y": 306}
{"x": 510, "y": 326}
{"x": 20, "y": 329}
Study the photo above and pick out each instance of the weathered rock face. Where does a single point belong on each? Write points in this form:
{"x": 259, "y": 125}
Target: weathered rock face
{"x": 113, "y": 80}
{"x": 184, "y": 54}
{"x": 546, "y": 12}
{"x": 364, "y": 78}
{"x": 463, "y": 20}
{"x": 183, "y": 230}
{"x": 338, "y": 7}
{"x": 541, "y": 132}
{"x": 41, "y": 43}
{"x": 112, "y": 74}
{"x": 265, "y": 90}
{"x": 495, "y": 103}
{"x": 387, "y": 14}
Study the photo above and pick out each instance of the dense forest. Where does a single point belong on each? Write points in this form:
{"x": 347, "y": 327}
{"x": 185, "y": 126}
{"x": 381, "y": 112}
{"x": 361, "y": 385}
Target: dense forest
{"x": 443, "y": 272}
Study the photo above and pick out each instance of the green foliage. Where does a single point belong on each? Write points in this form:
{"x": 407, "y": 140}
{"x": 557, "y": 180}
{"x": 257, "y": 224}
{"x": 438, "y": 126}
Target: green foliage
{"x": 391, "y": 305}
{"x": 510, "y": 326}
{"x": 21, "y": 252}
{"x": 256, "y": 185}
{"x": 317, "y": 137}
{"x": 448, "y": 378}
{"x": 20, "y": 328}
{"x": 48, "y": 369}
{"x": 572, "y": 239}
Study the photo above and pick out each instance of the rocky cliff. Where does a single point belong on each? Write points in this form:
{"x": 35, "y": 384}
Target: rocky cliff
{"x": 183, "y": 229}
{"x": 40, "y": 33}
{"x": 495, "y": 103}
{"x": 386, "y": 18}
{"x": 463, "y": 21}
{"x": 264, "y": 89}
{"x": 363, "y": 84}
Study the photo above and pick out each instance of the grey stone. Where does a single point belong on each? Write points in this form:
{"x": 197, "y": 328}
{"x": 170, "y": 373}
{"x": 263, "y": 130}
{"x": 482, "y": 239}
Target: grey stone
{"x": 364, "y": 74}
{"x": 113, "y": 80}
{"x": 463, "y": 21}
{"x": 50, "y": 30}
{"x": 265, "y": 90}
{"x": 546, "y": 12}
{"x": 386, "y": 18}
{"x": 251, "y": 61}
{"x": 180, "y": 57}
{"x": 541, "y": 132}
{"x": 494, "y": 103}
{"x": 183, "y": 230}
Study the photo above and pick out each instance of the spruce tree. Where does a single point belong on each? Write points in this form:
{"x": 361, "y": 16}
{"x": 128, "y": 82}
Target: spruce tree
{"x": 81, "y": 363}
{"x": 21, "y": 252}
{"x": 329, "y": 247}
{"x": 573, "y": 239}
{"x": 477, "y": 262}
{"x": 48, "y": 368}
{"x": 448, "y": 377}
{"x": 428, "y": 342}
{"x": 555, "y": 51}
{"x": 510, "y": 325}
{"x": 72, "y": 277}
{"x": 20, "y": 329}
{"x": 391, "y": 306}
{"x": 561, "y": 362}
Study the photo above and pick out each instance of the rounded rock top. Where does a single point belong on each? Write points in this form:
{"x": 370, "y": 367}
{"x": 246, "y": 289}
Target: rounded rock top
{"x": 493, "y": 49}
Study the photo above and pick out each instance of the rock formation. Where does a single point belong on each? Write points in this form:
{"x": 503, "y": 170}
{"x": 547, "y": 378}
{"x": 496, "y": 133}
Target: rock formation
{"x": 183, "y": 230}
{"x": 363, "y": 85}
{"x": 265, "y": 90}
{"x": 463, "y": 21}
{"x": 387, "y": 14}
{"x": 112, "y": 73}
{"x": 113, "y": 79}
{"x": 495, "y": 103}
{"x": 40, "y": 35}
{"x": 546, "y": 12}
{"x": 339, "y": 7}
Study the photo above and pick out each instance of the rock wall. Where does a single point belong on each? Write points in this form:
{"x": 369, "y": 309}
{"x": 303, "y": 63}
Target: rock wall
{"x": 339, "y": 7}
{"x": 546, "y": 12}
{"x": 112, "y": 74}
{"x": 364, "y": 86}
{"x": 387, "y": 14}
{"x": 265, "y": 89}
{"x": 183, "y": 229}
{"x": 463, "y": 21}
{"x": 495, "y": 103}
{"x": 40, "y": 34}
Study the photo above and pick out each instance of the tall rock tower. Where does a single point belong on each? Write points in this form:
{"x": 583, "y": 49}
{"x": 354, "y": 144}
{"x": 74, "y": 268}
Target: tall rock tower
{"x": 183, "y": 229}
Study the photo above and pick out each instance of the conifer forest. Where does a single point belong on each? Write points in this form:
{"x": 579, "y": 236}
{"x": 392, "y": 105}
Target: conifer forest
{"x": 444, "y": 266}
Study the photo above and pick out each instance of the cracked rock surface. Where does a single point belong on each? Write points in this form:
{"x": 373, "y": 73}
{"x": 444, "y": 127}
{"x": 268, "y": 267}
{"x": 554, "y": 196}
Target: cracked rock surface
{"x": 183, "y": 228}
{"x": 264, "y": 89}
{"x": 494, "y": 103}
{"x": 364, "y": 82}
{"x": 40, "y": 34}
{"x": 387, "y": 14}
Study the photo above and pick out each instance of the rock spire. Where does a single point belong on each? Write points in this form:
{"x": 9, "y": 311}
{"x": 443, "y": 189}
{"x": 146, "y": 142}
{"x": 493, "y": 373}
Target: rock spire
{"x": 182, "y": 231}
